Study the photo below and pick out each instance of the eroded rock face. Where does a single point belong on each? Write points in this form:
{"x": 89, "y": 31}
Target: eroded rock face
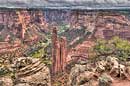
{"x": 102, "y": 74}
{"x": 80, "y": 76}
{"x": 85, "y": 78}
{"x": 27, "y": 71}
{"x": 32, "y": 72}
{"x": 75, "y": 71}
{"x": 40, "y": 78}
{"x": 100, "y": 66}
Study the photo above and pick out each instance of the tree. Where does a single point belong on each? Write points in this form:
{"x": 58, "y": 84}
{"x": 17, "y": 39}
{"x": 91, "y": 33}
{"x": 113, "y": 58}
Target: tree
{"x": 117, "y": 47}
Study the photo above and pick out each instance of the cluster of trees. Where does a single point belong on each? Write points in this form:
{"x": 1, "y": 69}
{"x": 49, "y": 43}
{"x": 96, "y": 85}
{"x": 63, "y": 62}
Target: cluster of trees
{"x": 117, "y": 47}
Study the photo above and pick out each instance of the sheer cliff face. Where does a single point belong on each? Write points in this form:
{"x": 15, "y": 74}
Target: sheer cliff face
{"x": 17, "y": 22}
{"x": 20, "y": 23}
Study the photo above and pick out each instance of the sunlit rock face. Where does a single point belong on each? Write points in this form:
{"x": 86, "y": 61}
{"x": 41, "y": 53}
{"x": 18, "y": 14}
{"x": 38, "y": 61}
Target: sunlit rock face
{"x": 32, "y": 72}
{"x": 78, "y": 26}
{"x": 80, "y": 76}
{"x": 27, "y": 71}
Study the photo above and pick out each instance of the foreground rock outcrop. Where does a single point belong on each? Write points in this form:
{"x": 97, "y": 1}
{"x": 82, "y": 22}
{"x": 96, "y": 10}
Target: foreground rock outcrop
{"x": 27, "y": 71}
{"x": 104, "y": 73}
{"x": 81, "y": 76}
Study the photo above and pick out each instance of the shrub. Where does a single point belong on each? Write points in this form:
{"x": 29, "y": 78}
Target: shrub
{"x": 63, "y": 28}
{"x": 3, "y": 70}
{"x": 1, "y": 38}
{"x": 39, "y": 51}
{"x": 116, "y": 46}
{"x": 103, "y": 47}
{"x": 105, "y": 80}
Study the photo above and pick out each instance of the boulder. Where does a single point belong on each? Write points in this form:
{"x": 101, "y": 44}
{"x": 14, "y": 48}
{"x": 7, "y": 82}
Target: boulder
{"x": 75, "y": 71}
{"x": 100, "y": 66}
{"x": 80, "y": 74}
{"x": 85, "y": 78}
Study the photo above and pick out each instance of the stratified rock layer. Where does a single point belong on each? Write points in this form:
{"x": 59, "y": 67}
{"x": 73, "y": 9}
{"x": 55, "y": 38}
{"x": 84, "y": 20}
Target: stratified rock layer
{"x": 28, "y": 72}
{"x": 34, "y": 73}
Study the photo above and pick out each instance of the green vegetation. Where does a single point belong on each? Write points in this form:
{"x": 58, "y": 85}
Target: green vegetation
{"x": 3, "y": 70}
{"x": 1, "y": 38}
{"x": 39, "y": 51}
{"x": 116, "y": 47}
{"x": 105, "y": 80}
{"x": 63, "y": 28}
{"x": 103, "y": 47}
{"x": 57, "y": 83}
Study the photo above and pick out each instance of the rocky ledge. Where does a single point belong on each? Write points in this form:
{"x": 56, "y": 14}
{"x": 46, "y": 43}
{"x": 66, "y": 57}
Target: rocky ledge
{"x": 27, "y": 71}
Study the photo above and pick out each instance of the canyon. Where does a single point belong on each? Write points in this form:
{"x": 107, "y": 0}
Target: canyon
{"x": 67, "y": 35}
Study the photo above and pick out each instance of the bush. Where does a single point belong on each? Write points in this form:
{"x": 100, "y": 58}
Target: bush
{"x": 63, "y": 28}
{"x": 117, "y": 47}
{"x": 105, "y": 80}
{"x": 1, "y": 38}
{"x": 102, "y": 47}
{"x": 3, "y": 70}
{"x": 38, "y": 53}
